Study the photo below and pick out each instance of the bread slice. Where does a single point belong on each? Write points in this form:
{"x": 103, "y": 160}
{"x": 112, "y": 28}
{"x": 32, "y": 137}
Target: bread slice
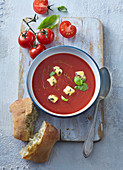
{"x": 39, "y": 147}
{"x": 24, "y": 113}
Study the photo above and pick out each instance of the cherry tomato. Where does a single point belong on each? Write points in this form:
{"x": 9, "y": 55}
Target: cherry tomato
{"x": 67, "y": 30}
{"x": 40, "y": 6}
{"x": 26, "y": 39}
{"x": 34, "y": 51}
{"x": 45, "y": 36}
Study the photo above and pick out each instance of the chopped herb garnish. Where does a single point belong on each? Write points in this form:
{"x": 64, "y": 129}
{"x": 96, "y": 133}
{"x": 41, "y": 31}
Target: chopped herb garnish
{"x": 64, "y": 99}
{"x": 52, "y": 74}
{"x": 78, "y": 80}
{"x": 83, "y": 87}
{"x": 84, "y": 79}
{"x": 62, "y": 9}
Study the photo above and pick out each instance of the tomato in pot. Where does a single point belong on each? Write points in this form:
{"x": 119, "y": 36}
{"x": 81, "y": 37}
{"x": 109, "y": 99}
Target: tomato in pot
{"x": 67, "y": 30}
{"x": 26, "y": 39}
{"x": 37, "y": 49}
{"x": 45, "y": 36}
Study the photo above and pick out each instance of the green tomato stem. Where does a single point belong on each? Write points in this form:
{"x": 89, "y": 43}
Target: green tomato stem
{"x": 34, "y": 19}
{"x": 48, "y": 8}
{"x": 29, "y": 27}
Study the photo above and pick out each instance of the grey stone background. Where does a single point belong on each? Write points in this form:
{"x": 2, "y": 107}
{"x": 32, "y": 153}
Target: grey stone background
{"x": 108, "y": 153}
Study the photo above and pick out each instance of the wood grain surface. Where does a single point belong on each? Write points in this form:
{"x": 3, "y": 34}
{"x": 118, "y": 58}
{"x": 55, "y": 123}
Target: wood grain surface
{"x": 89, "y": 38}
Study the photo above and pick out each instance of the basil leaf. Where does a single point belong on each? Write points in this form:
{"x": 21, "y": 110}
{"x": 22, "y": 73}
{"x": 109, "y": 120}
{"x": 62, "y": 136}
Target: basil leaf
{"x": 78, "y": 80}
{"x": 83, "y": 87}
{"x": 52, "y": 73}
{"x": 76, "y": 87}
{"x": 49, "y": 22}
{"x": 84, "y": 79}
{"x": 62, "y": 8}
{"x": 64, "y": 99}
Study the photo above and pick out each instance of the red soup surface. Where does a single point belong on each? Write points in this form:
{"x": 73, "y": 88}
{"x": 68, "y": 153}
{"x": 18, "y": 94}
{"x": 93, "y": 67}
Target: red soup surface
{"x": 69, "y": 64}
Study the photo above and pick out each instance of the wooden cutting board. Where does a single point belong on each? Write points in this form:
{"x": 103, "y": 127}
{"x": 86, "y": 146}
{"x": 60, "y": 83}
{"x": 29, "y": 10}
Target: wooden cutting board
{"x": 89, "y": 38}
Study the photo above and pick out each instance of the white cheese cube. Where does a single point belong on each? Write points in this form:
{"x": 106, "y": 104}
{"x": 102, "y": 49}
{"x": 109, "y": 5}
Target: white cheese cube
{"x": 58, "y": 70}
{"x": 52, "y": 80}
{"x": 53, "y": 98}
{"x": 69, "y": 90}
{"x": 80, "y": 74}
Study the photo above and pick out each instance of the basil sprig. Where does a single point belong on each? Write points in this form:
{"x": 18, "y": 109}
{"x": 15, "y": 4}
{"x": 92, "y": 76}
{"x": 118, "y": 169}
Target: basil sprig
{"x": 84, "y": 79}
{"x": 80, "y": 82}
{"x": 49, "y": 22}
{"x": 62, "y": 9}
{"x": 83, "y": 87}
{"x": 52, "y": 73}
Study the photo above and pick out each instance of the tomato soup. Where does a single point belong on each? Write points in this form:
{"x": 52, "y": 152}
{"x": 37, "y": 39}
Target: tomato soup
{"x": 69, "y": 64}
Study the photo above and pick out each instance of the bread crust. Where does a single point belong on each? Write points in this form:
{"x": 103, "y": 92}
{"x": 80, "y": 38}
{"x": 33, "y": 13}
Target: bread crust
{"x": 42, "y": 151}
{"x": 20, "y": 110}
